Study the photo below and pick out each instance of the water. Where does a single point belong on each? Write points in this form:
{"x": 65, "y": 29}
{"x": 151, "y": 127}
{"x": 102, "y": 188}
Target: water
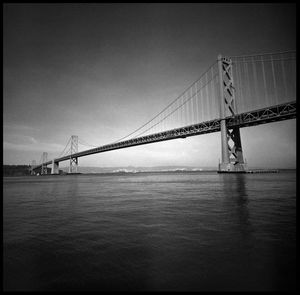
{"x": 150, "y": 231}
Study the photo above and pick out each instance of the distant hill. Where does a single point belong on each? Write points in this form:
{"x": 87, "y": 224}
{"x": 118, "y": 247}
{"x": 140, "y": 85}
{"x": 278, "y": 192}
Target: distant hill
{"x": 134, "y": 169}
{"x": 16, "y": 170}
{"x": 22, "y": 170}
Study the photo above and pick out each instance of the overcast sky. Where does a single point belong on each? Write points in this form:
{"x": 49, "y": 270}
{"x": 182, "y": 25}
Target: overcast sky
{"x": 99, "y": 71}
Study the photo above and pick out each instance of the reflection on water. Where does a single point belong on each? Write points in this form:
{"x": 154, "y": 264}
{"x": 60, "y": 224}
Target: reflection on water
{"x": 150, "y": 232}
{"x": 236, "y": 196}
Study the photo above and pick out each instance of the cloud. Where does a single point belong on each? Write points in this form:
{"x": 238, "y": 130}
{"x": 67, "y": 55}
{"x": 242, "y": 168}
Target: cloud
{"x": 19, "y": 127}
{"x": 33, "y": 146}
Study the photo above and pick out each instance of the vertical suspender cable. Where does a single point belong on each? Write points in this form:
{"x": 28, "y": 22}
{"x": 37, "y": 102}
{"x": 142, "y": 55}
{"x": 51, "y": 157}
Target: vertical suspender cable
{"x": 241, "y": 96}
{"x": 274, "y": 80}
{"x": 201, "y": 100}
{"x": 247, "y": 90}
{"x": 187, "y": 109}
{"x": 284, "y": 80}
{"x": 192, "y": 106}
{"x": 206, "y": 97}
{"x": 197, "y": 109}
{"x": 211, "y": 94}
{"x": 264, "y": 80}
{"x": 256, "y": 94}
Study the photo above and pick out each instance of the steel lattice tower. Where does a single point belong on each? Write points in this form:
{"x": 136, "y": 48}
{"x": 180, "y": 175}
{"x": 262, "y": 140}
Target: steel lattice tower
{"x": 73, "y": 167}
{"x": 44, "y": 160}
{"x": 232, "y": 153}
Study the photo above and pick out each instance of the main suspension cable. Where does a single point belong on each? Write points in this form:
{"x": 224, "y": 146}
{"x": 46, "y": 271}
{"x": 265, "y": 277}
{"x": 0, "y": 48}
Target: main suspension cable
{"x": 167, "y": 105}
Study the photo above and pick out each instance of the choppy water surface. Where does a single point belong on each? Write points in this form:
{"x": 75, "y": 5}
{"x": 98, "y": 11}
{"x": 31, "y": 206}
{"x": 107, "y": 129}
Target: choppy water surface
{"x": 150, "y": 231}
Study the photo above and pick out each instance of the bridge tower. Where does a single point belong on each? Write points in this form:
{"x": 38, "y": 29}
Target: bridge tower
{"x": 44, "y": 160}
{"x": 232, "y": 153}
{"x": 73, "y": 167}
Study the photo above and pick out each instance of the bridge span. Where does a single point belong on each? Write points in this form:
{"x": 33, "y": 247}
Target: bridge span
{"x": 225, "y": 98}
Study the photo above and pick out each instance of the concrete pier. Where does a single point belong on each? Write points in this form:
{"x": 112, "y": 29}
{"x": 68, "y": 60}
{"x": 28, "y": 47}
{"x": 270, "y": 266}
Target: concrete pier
{"x": 55, "y": 167}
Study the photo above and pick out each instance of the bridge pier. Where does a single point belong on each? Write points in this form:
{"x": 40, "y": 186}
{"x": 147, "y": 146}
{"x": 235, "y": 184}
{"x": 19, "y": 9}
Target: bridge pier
{"x": 55, "y": 167}
{"x": 232, "y": 153}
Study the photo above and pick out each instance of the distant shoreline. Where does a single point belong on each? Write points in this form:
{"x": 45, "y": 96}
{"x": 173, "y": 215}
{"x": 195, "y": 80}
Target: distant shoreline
{"x": 23, "y": 170}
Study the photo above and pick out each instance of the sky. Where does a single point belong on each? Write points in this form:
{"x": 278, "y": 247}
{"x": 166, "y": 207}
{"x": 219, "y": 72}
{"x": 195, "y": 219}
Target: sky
{"x": 100, "y": 71}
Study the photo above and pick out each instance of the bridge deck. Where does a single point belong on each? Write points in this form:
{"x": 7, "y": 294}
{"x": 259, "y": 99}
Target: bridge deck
{"x": 262, "y": 116}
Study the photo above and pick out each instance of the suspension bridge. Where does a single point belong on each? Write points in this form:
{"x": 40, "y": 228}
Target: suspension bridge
{"x": 234, "y": 92}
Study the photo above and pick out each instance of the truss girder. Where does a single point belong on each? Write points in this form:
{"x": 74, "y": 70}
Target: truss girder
{"x": 267, "y": 115}
{"x": 196, "y": 129}
{"x": 262, "y": 116}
